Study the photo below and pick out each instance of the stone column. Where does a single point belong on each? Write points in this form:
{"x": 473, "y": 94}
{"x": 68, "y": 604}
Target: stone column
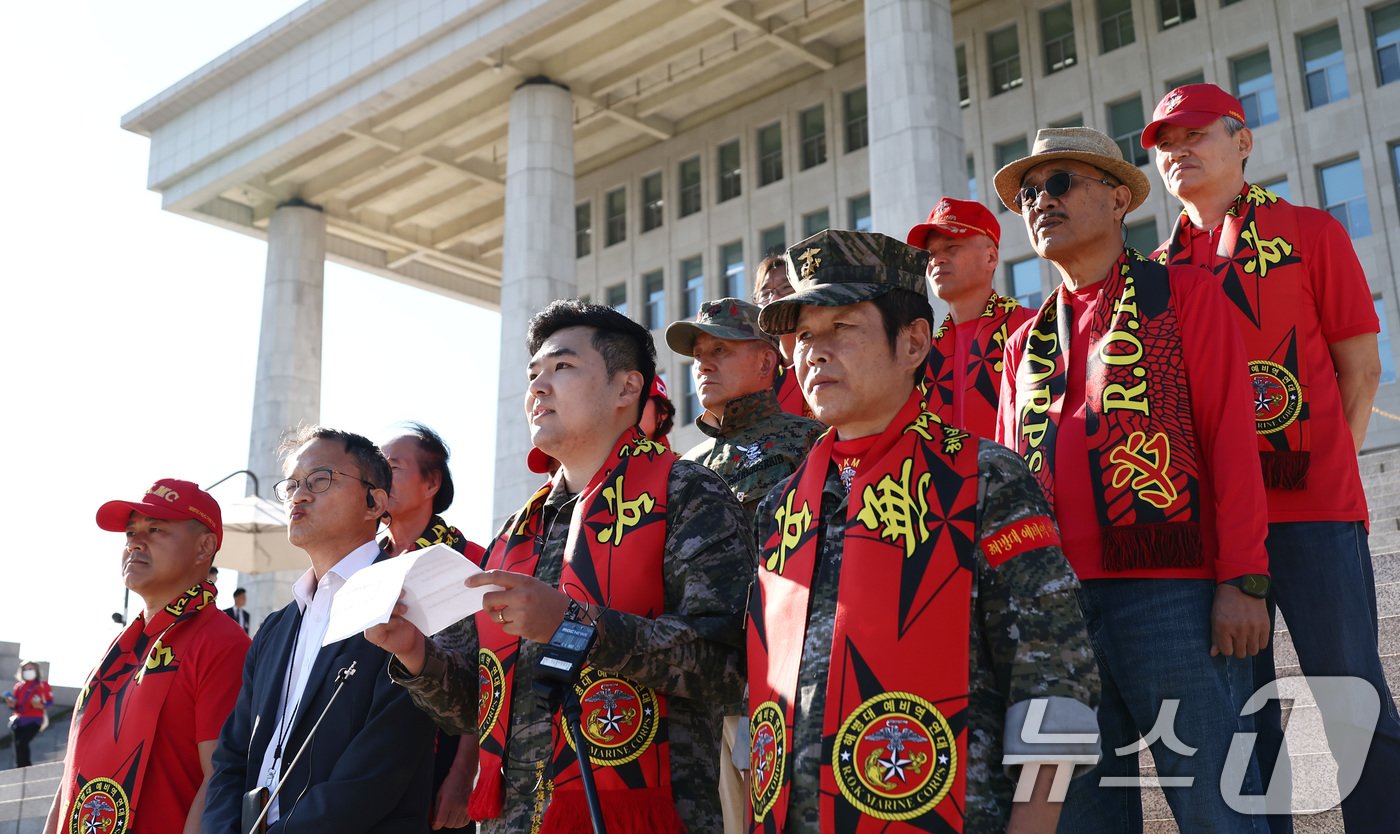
{"x": 916, "y": 142}
{"x": 537, "y": 262}
{"x": 288, "y": 387}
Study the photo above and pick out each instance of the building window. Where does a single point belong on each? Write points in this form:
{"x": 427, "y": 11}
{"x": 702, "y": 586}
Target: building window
{"x": 1007, "y": 153}
{"x": 1125, "y": 124}
{"x": 693, "y": 282}
{"x": 653, "y": 207}
{"x": 770, "y": 154}
{"x": 1115, "y": 24}
{"x": 1176, "y": 12}
{"x": 964, "y": 92}
{"x": 690, "y": 186}
{"x": 692, "y": 399}
{"x": 813, "y": 125}
{"x": 1193, "y": 78}
{"x": 971, "y": 179}
{"x": 1023, "y": 280}
{"x": 817, "y": 221}
{"x": 654, "y": 288}
{"x": 858, "y": 210}
{"x": 1254, "y": 87}
{"x": 857, "y": 127}
{"x": 1143, "y": 236}
{"x": 1280, "y": 187}
{"x": 1324, "y": 74}
{"x": 1383, "y": 340}
{"x": 1385, "y": 31}
{"x": 617, "y": 216}
{"x": 616, "y": 296}
{"x": 583, "y": 229}
{"x": 1057, "y": 30}
{"x": 772, "y": 240}
{"x": 729, "y": 171}
{"x": 1394, "y": 168}
{"x": 731, "y": 258}
{"x": 1004, "y": 59}
{"x": 1344, "y": 196}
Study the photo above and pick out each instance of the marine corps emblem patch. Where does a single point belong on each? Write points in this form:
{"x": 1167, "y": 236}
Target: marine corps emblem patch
{"x": 895, "y": 756}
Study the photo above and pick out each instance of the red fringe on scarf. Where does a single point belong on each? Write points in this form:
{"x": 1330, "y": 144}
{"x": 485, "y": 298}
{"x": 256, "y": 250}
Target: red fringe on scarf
{"x": 646, "y": 811}
{"x": 1139, "y": 546}
{"x": 488, "y": 797}
{"x": 1285, "y": 470}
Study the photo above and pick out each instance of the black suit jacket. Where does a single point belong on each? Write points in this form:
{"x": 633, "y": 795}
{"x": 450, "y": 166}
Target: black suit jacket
{"x": 369, "y": 767}
{"x": 240, "y": 616}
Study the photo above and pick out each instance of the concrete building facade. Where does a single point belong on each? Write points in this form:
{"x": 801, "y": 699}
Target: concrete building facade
{"x": 704, "y": 132}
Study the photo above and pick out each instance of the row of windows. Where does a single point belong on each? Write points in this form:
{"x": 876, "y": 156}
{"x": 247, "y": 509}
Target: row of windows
{"x": 734, "y": 282}
{"x": 811, "y": 152}
{"x": 1320, "y": 52}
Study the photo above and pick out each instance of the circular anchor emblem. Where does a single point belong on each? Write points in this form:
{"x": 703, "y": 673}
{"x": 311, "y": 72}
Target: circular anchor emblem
{"x": 491, "y": 681}
{"x": 620, "y": 718}
{"x": 101, "y": 807}
{"x": 1278, "y": 398}
{"x": 767, "y": 757}
{"x": 895, "y": 756}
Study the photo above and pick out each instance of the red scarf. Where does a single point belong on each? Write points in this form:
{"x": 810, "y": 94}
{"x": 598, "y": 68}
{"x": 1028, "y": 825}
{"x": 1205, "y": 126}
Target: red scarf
{"x": 789, "y": 393}
{"x": 1263, "y": 275}
{"x": 1138, "y": 428}
{"x": 614, "y": 555}
{"x": 117, "y": 717}
{"x": 897, "y": 763}
{"x": 981, "y": 379}
{"x": 440, "y": 532}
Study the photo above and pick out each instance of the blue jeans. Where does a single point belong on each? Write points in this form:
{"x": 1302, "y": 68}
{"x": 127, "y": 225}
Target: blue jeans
{"x": 1323, "y": 584}
{"x": 1152, "y": 641}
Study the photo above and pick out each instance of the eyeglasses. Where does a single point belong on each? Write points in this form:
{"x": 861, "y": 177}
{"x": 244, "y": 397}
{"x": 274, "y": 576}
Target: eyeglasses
{"x": 316, "y": 482}
{"x": 1056, "y": 185}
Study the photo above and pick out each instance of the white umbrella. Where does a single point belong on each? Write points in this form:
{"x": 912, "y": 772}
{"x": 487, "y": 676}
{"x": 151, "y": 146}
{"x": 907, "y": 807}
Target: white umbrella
{"x": 255, "y": 538}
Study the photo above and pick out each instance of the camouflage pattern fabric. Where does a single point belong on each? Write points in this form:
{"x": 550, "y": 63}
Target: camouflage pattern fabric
{"x": 727, "y": 318}
{"x": 693, "y": 653}
{"x": 756, "y": 445}
{"x": 1027, "y": 640}
{"x": 836, "y": 268}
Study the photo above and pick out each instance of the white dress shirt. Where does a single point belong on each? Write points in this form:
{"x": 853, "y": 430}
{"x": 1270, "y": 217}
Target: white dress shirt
{"x": 314, "y": 600}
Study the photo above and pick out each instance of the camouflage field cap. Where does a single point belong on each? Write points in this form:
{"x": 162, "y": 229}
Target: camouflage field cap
{"x": 837, "y": 267}
{"x": 727, "y": 318}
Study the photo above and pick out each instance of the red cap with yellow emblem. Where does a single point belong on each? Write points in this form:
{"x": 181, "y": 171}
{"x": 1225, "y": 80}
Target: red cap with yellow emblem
{"x": 1193, "y": 105}
{"x": 168, "y": 499}
{"x": 956, "y": 218}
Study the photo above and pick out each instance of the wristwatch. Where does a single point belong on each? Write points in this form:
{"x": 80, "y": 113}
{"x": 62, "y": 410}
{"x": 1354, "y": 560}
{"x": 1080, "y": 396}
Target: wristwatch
{"x": 1253, "y": 584}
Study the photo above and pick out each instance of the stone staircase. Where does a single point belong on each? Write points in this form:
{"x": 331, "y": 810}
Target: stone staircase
{"x": 1380, "y": 472}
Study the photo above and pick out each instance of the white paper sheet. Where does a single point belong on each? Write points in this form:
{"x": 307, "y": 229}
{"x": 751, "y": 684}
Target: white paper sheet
{"x": 431, "y": 580}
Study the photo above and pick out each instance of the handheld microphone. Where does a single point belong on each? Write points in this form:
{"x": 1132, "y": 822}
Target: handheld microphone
{"x": 257, "y": 802}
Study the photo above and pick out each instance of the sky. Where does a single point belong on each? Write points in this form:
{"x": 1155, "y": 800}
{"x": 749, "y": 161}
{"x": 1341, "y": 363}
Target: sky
{"x": 129, "y": 335}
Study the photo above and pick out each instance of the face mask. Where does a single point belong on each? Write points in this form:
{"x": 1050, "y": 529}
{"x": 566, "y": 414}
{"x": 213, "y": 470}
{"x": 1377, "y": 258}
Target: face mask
{"x": 29, "y": 674}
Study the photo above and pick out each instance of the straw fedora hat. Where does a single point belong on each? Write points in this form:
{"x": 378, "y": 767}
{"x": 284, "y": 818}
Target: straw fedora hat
{"x": 1079, "y": 143}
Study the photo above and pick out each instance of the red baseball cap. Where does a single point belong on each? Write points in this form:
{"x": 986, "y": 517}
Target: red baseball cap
{"x": 956, "y": 218}
{"x": 541, "y": 463}
{"x": 168, "y": 499}
{"x": 1193, "y": 105}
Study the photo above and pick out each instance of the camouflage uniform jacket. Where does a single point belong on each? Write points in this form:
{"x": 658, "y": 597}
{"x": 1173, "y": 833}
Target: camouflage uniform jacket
{"x": 692, "y": 653}
{"x": 1027, "y": 640}
{"x": 756, "y": 445}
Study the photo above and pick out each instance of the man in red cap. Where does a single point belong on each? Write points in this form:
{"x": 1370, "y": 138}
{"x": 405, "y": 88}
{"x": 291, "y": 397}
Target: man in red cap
{"x": 964, "y": 366}
{"x": 1304, "y": 308}
{"x": 145, "y": 727}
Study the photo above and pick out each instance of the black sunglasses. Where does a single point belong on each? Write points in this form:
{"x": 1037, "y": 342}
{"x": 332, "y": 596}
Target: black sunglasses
{"x": 1056, "y": 185}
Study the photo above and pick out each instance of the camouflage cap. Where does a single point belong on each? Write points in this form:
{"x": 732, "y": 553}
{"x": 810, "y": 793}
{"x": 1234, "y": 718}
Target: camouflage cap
{"x": 727, "y": 318}
{"x": 837, "y": 267}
